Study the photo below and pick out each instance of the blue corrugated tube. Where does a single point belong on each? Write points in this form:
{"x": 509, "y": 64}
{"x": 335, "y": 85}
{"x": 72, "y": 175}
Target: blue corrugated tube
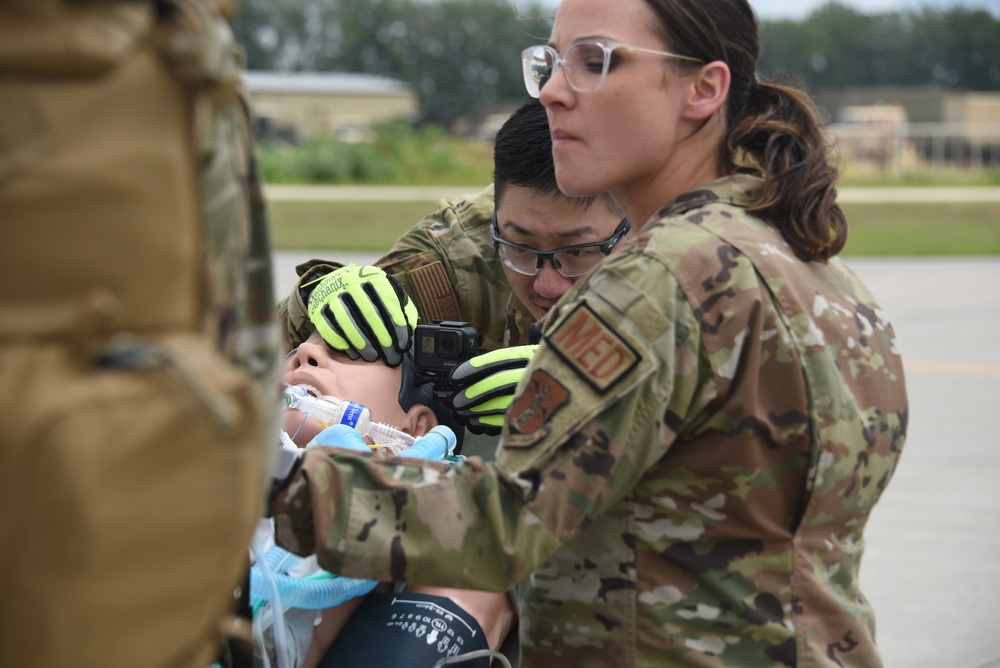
{"x": 313, "y": 592}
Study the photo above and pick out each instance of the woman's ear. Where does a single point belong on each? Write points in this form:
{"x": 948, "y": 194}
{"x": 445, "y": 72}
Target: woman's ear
{"x": 419, "y": 420}
{"x": 710, "y": 87}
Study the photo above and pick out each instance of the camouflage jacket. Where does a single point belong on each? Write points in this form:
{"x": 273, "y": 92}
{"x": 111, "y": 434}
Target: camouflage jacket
{"x": 685, "y": 474}
{"x": 448, "y": 266}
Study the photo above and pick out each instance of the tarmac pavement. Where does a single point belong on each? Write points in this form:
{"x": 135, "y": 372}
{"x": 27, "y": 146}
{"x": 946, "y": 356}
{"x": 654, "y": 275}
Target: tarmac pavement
{"x": 932, "y": 568}
{"x": 932, "y": 565}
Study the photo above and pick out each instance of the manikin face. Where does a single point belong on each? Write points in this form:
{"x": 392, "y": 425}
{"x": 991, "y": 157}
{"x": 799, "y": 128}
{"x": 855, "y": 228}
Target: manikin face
{"x": 372, "y": 384}
{"x": 545, "y": 222}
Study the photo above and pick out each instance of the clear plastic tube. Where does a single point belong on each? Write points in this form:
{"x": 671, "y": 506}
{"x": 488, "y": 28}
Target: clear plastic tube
{"x": 331, "y": 410}
{"x": 328, "y": 410}
{"x": 383, "y": 434}
{"x": 280, "y": 641}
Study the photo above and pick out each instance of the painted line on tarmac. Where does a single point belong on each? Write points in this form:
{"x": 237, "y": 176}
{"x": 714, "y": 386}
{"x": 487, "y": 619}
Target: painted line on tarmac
{"x": 919, "y": 195}
{"x": 952, "y": 368}
{"x": 363, "y": 193}
{"x": 279, "y": 192}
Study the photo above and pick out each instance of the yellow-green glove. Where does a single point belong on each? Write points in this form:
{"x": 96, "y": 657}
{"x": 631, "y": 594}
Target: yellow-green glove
{"x": 485, "y": 387}
{"x": 364, "y": 312}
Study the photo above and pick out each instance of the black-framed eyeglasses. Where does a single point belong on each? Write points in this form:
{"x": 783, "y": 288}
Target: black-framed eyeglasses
{"x": 570, "y": 261}
{"x": 584, "y": 62}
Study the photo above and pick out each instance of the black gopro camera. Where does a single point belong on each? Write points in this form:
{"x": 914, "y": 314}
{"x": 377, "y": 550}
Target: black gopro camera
{"x": 442, "y": 345}
{"x": 438, "y": 348}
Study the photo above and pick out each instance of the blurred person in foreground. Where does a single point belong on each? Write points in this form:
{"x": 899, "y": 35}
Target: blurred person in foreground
{"x": 138, "y": 351}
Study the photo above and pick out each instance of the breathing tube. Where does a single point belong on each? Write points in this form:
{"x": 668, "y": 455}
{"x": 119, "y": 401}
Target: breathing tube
{"x": 330, "y": 411}
{"x": 278, "y": 624}
{"x": 312, "y": 592}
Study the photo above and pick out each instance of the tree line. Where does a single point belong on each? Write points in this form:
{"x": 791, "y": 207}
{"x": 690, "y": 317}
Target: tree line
{"x": 462, "y": 57}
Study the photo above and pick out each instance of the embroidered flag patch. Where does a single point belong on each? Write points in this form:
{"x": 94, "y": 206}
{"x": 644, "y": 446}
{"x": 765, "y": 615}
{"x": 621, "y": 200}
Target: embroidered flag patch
{"x": 593, "y": 349}
{"x": 436, "y": 292}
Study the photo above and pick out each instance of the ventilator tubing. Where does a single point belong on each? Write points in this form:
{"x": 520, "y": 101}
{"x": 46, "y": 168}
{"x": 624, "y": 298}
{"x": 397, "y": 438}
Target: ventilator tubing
{"x": 278, "y": 622}
{"x": 392, "y": 438}
{"x": 438, "y": 443}
{"x": 313, "y": 592}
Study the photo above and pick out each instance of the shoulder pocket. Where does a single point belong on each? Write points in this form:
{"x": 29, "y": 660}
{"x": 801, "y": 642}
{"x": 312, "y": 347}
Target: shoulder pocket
{"x": 593, "y": 357}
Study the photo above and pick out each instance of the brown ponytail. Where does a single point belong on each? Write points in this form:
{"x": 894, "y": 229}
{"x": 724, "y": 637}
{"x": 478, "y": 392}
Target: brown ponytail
{"x": 773, "y": 129}
{"x": 779, "y": 137}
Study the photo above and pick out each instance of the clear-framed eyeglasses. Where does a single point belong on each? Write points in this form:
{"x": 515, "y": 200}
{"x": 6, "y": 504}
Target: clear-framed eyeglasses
{"x": 584, "y": 63}
{"x": 570, "y": 261}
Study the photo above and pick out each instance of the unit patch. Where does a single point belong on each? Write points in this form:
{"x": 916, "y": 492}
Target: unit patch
{"x": 529, "y": 417}
{"x": 593, "y": 349}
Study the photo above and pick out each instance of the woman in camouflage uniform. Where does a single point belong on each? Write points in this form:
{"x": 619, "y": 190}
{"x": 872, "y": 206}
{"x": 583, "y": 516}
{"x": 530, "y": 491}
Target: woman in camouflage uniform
{"x": 685, "y": 475}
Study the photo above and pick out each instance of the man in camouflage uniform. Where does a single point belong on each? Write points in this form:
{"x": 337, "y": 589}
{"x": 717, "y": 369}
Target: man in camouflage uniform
{"x": 656, "y": 505}
{"x": 138, "y": 349}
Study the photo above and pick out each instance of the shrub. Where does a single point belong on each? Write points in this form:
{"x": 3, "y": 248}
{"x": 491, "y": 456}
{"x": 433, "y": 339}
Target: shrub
{"x": 399, "y": 154}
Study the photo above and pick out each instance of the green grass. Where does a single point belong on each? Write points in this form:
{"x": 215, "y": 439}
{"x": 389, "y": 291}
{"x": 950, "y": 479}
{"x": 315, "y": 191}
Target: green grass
{"x": 347, "y": 226}
{"x": 874, "y": 229}
{"x": 853, "y": 177}
{"x": 923, "y": 229}
{"x": 398, "y": 155}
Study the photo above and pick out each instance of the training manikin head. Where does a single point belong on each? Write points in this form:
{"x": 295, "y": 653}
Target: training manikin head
{"x": 391, "y": 394}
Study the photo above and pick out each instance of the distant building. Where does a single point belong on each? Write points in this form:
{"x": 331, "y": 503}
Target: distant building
{"x": 294, "y": 106}
{"x": 871, "y": 134}
{"x": 891, "y": 127}
{"x": 923, "y": 104}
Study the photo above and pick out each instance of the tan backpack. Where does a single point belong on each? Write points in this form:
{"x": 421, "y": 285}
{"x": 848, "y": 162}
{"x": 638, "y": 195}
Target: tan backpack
{"x": 137, "y": 349}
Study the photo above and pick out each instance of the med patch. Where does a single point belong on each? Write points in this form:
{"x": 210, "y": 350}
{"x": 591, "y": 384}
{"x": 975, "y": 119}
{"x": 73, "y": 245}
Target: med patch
{"x": 529, "y": 418}
{"x": 593, "y": 349}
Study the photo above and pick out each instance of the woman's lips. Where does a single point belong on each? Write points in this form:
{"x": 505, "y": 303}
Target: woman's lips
{"x": 561, "y": 137}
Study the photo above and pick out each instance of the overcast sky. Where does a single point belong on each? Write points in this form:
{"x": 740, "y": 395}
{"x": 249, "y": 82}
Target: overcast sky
{"x": 799, "y": 9}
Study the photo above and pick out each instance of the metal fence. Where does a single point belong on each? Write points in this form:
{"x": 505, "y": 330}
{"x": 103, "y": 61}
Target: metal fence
{"x": 900, "y": 147}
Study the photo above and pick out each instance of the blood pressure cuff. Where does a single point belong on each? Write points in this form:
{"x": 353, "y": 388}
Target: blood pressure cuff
{"x": 406, "y": 630}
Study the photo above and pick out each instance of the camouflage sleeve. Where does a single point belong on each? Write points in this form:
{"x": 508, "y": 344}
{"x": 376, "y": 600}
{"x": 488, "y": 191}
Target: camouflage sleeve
{"x": 441, "y": 258}
{"x": 620, "y": 369}
{"x": 448, "y": 265}
{"x": 409, "y": 520}
{"x": 417, "y": 260}
{"x": 597, "y": 406}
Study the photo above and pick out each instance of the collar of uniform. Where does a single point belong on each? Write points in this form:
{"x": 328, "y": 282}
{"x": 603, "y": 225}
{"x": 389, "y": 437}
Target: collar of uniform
{"x": 738, "y": 190}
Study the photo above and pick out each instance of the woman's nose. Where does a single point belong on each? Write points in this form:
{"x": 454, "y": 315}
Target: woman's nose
{"x": 555, "y": 90}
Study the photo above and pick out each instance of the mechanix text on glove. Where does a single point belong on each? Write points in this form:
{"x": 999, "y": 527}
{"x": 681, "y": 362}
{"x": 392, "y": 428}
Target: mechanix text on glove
{"x": 364, "y": 312}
